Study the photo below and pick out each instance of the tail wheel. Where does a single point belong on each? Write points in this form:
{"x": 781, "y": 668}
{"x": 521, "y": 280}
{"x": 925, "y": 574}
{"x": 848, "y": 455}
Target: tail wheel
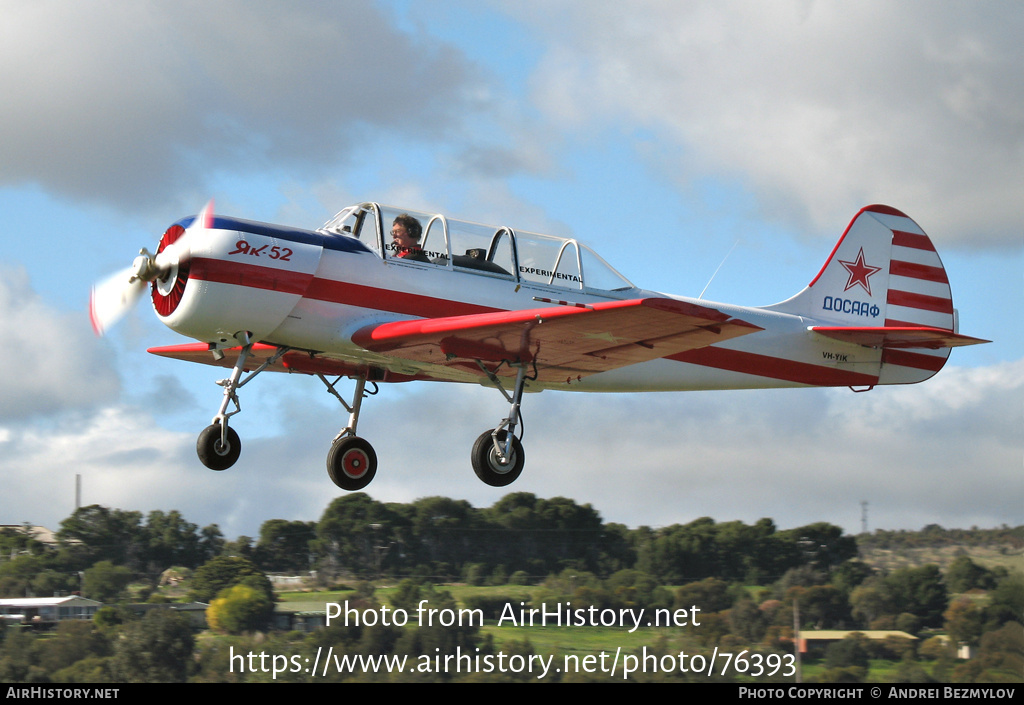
{"x": 213, "y": 452}
{"x": 351, "y": 463}
{"x": 489, "y": 468}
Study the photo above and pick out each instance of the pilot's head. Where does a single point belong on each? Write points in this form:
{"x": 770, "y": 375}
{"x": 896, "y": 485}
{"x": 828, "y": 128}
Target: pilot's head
{"x": 406, "y": 231}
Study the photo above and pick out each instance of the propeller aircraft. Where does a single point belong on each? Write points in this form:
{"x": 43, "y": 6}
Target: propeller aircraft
{"x": 380, "y": 295}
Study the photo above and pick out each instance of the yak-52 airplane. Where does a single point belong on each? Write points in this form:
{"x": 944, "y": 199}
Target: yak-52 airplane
{"x": 369, "y": 298}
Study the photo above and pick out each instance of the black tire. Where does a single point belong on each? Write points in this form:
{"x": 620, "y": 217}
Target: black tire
{"x": 485, "y": 460}
{"x": 351, "y": 463}
{"x": 214, "y": 454}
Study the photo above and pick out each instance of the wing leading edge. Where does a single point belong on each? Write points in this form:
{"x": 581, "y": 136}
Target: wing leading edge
{"x": 564, "y": 343}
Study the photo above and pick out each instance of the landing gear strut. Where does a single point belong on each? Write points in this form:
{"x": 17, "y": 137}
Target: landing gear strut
{"x": 498, "y": 455}
{"x": 351, "y": 462}
{"x": 218, "y": 445}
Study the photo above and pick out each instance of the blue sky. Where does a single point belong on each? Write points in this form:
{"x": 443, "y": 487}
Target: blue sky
{"x": 668, "y": 136}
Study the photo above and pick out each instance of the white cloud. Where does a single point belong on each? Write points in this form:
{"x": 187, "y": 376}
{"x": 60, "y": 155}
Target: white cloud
{"x": 818, "y": 108}
{"x": 49, "y": 360}
{"x": 124, "y": 103}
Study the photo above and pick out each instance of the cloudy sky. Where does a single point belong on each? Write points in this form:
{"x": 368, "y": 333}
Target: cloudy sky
{"x": 669, "y": 136}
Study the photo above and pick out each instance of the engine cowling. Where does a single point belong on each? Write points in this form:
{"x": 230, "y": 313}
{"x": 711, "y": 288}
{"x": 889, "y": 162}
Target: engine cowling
{"x": 239, "y": 276}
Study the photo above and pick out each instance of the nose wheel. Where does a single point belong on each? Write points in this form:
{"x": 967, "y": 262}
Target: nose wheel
{"x": 218, "y": 446}
{"x": 216, "y": 453}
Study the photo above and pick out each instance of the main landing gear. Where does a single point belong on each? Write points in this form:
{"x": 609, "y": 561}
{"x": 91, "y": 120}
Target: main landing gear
{"x": 351, "y": 462}
{"x": 497, "y": 454}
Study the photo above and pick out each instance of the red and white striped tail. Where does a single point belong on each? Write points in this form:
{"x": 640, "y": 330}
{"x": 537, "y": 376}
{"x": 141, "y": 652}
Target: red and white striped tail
{"x": 919, "y": 293}
{"x": 884, "y": 286}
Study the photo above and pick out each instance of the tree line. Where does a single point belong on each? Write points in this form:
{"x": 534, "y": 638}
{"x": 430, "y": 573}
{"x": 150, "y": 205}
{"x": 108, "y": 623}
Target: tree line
{"x": 436, "y": 539}
{"x": 747, "y": 579}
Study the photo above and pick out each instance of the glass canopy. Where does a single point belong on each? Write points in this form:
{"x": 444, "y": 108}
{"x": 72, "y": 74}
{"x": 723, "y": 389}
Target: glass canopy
{"x": 485, "y": 250}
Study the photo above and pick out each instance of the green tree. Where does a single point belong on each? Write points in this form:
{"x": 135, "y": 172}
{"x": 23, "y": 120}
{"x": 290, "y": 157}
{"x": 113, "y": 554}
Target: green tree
{"x": 430, "y": 641}
{"x": 910, "y": 671}
{"x": 851, "y": 651}
{"x": 822, "y": 545}
{"x": 17, "y": 658}
{"x": 446, "y": 532}
{"x": 240, "y": 608}
{"x": 824, "y": 606}
{"x": 1006, "y": 602}
{"x": 155, "y": 649}
{"x": 406, "y": 596}
{"x": 223, "y": 572}
{"x": 965, "y": 621}
{"x": 170, "y": 541}
{"x": 634, "y": 588}
{"x": 710, "y": 595}
{"x": 869, "y": 601}
{"x": 1000, "y": 658}
{"x": 964, "y": 574}
{"x": 95, "y": 533}
{"x": 241, "y": 547}
{"x": 72, "y": 641}
{"x": 850, "y": 575}
{"x": 285, "y": 545}
{"x": 920, "y": 591}
{"x": 211, "y": 542}
{"x": 356, "y": 533}
{"x": 105, "y": 582}
{"x": 747, "y": 621}
{"x": 17, "y": 575}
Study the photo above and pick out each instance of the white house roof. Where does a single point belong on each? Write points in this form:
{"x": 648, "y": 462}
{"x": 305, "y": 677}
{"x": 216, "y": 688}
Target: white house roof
{"x": 46, "y": 601}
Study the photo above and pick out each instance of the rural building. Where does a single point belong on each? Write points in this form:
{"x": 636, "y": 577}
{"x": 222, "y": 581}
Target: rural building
{"x": 817, "y": 640}
{"x": 47, "y": 611}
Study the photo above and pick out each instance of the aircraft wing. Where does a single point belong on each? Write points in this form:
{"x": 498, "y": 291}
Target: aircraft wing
{"x": 898, "y": 337}
{"x": 302, "y": 361}
{"x": 564, "y": 342}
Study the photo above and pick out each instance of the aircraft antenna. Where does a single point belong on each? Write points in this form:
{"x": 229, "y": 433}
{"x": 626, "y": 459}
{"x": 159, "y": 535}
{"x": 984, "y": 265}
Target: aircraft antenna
{"x": 719, "y": 267}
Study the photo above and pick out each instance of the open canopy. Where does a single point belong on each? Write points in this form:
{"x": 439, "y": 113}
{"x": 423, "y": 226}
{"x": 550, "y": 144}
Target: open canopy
{"x": 489, "y": 250}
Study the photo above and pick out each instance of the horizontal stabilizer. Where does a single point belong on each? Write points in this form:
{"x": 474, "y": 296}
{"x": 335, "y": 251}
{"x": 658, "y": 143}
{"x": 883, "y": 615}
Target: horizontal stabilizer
{"x": 898, "y": 336}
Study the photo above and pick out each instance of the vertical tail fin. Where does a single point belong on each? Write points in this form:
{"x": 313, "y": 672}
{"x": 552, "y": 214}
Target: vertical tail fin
{"x": 884, "y": 287}
{"x": 884, "y": 271}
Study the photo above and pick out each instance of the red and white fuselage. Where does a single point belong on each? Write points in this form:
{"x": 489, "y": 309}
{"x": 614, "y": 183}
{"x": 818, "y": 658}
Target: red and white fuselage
{"x": 879, "y": 311}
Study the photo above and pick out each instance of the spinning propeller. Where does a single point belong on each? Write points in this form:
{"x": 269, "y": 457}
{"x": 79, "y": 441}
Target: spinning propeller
{"x": 113, "y": 297}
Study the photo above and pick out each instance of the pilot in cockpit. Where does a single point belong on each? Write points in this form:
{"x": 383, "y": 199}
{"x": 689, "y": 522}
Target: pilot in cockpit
{"x": 405, "y": 238}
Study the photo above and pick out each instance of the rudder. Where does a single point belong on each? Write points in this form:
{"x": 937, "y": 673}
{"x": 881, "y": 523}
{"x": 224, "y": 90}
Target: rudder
{"x": 884, "y": 275}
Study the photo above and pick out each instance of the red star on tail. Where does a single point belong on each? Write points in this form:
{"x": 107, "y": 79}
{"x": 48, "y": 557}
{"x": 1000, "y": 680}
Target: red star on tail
{"x": 859, "y": 272}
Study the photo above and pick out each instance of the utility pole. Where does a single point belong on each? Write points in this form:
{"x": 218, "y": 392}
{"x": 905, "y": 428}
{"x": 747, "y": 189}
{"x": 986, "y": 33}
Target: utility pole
{"x": 796, "y": 638}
